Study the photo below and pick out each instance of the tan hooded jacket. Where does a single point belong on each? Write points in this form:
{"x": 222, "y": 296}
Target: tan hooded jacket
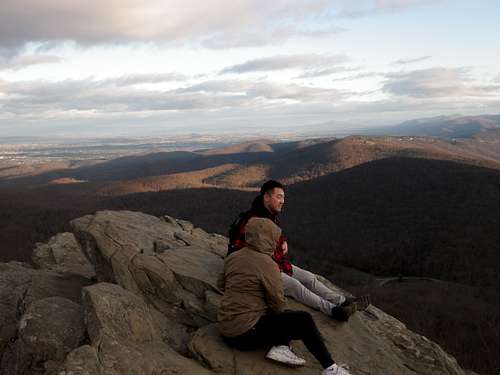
{"x": 253, "y": 283}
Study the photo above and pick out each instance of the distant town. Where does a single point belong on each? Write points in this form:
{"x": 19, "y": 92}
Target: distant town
{"x": 39, "y": 150}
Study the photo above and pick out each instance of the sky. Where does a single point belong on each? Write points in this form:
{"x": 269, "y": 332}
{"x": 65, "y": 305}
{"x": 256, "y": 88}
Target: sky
{"x": 159, "y": 67}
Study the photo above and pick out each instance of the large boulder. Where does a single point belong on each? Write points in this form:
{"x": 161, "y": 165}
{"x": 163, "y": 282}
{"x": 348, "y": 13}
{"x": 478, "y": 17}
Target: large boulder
{"x": 49, "y": 329}
{"x": 14, "y": 279}
{"x": 20, "y": 286}
{"x": 125, "y": 338}
{"x": 62, "y": 253}
{"x": 372, "y": 342}
{"x": 167, "y": 262}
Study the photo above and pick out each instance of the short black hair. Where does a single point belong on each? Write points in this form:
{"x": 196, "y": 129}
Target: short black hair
{"x": 270, "y": 185}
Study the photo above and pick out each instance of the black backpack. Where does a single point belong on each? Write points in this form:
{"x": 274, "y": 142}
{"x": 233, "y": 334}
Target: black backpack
{"x": 234, "y": 230}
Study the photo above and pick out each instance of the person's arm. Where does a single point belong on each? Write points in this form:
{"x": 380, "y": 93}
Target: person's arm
{"x": 273, "y": 287}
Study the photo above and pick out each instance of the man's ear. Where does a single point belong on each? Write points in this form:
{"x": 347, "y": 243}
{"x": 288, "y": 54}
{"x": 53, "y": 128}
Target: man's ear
{"x": 265, "y": 197}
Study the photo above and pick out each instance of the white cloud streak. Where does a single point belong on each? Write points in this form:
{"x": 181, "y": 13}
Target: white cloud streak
{"x": 437, "y": 82}
{"x": 329, "y": 71}
{"x": 308, "y": 62}
{"x": 22, "y": 61}
{"x": 411, "y": 61}
{"x": 357, "y": 76}
{"x": 354, "y": 9}
{"x": 145, "y": 78}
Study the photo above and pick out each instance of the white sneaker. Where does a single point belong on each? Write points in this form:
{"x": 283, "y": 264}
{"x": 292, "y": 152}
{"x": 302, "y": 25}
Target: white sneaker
{"x": 283, "y": 354}
{"x": 335, "y": 370}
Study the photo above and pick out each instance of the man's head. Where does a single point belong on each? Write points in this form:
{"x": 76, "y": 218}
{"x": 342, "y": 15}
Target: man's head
{"x": 273, "y": 196}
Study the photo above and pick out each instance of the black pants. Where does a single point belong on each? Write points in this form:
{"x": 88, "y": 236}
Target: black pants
{"x": 280, "y": 329}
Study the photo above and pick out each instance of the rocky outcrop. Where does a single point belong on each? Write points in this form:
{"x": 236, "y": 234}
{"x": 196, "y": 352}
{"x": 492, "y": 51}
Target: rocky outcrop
{"x": 48, "y": 330}
{"x": 22, "y": 292}
{"x": 146, "y": 303}
{"x": 126, "y": 337}
{"x": 62, "y": 253}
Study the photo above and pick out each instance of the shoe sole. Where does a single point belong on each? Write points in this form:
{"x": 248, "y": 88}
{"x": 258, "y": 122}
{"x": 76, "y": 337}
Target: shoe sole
{"x": 287, "y": 364}
{"x": 301, "y": 364}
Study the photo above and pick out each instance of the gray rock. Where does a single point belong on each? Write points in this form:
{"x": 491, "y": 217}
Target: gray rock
{"x": 81, "y": 361}
{"x": 186, "y": 263}
{"x": 20, "y": 286}
{"x": 111, "y": 239}
{"x": 171, "y": 220}
{"x": 377, "y": 347}
{"x": 62, "y": 253}
{"x": 123, "y": 246}
{"x": 208, "y": 347}
{"x": 176, "y": 335}
{"x": 185, "y": 225}
{"x": 49, "y": 329}
{"x": 126, "y": 336}
{"x": 14, "y": 281}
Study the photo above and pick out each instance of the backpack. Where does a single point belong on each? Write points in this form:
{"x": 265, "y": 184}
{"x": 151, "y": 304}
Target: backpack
{"x": 234, "y": 230}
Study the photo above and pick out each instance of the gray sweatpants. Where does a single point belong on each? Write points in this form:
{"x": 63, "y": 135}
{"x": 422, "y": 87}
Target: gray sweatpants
{"x": 303, "y": 286}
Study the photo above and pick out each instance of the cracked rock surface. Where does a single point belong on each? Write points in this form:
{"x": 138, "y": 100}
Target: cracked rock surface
{"x": 129, "y": 293}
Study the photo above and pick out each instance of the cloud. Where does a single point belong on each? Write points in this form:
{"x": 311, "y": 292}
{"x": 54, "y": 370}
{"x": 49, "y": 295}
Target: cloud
{"x": 357, "y": 76}
{"x": 212, "y": 24}
{"x": 354, "y": 9}
{"x": 267, "y": 36}
{"x": 264, "y": 90}
{"x": 215, "y": 23}
{"x": 304, "y": 62}
{"x": 313, "y": 73}
{"x": 105, "y": 107}
{"x": 437, "y": 82}
{"x": 400, "y": 4}
{"x": 137, "y": 79}
{"x": 122, "y": 96}
{"x": 411, "y": 61}
{"x": 23, "y": 61}
{"x": 41, "y": 98}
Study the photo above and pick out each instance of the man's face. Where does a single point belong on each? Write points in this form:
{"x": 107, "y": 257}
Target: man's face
{"x": 274, "y": 200}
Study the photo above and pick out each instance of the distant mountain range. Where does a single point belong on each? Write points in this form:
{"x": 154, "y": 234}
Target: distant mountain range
{"x": 444, "y": 127}
{"x": 247, "y": 165}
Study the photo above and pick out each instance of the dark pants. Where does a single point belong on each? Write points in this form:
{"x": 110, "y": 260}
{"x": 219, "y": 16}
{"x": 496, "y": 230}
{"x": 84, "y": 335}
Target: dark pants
{"x": 280, "y": 329}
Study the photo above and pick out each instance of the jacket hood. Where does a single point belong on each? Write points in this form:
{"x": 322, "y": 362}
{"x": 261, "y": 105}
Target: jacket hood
{"x": 262, "y": 235}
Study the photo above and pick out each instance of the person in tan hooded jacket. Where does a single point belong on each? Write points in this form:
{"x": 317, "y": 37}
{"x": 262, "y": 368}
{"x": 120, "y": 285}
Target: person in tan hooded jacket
{"x": 253, "y": 285}
{"x": 251, "y": 312}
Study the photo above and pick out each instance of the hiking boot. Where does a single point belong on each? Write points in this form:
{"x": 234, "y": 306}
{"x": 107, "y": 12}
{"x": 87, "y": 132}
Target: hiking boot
{"x": 341, "y": 313}
{"x": 335, "y": 370}
{"x": 283, "y": 354}
{"x": 359, "y": 303}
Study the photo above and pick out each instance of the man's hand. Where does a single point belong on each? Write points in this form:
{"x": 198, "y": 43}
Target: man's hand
{"x": 284, "y": 247}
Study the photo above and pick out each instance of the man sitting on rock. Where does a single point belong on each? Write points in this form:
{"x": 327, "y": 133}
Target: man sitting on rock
{"x": 299, "y": 284}
{"x": 251, "y": 313}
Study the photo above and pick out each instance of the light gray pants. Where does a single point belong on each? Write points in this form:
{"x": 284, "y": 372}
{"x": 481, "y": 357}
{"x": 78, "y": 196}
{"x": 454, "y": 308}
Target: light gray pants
{"x": 303, "y": 286}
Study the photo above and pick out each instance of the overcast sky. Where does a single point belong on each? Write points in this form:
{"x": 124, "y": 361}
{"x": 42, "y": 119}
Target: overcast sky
{"x": 129, "y": 67}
